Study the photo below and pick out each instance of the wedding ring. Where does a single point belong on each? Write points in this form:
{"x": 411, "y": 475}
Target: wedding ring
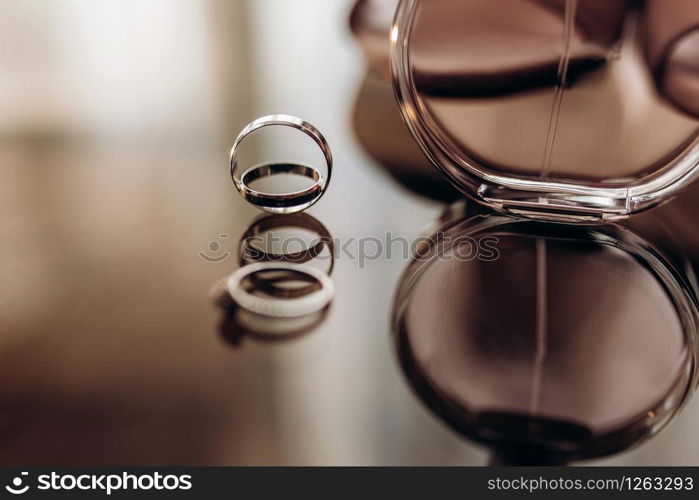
{"x": 282, "y": 203}
{"x": 275, "y": 307}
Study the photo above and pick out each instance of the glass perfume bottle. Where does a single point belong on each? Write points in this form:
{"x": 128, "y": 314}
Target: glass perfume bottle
{"x": 578, "y": 110}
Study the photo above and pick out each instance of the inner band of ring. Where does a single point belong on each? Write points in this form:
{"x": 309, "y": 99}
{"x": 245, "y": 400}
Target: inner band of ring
{"x": 273, "y": 202}
{"x": 282, "y": 199}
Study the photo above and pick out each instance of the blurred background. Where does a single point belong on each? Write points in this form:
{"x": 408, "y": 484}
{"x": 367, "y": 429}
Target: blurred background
{"x": 116, "y": 121}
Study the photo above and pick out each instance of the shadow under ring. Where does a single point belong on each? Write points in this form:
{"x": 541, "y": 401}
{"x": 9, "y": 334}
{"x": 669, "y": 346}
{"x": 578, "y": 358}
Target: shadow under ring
{"x": 282, "y": 202}
{"x": 295, "y": 221}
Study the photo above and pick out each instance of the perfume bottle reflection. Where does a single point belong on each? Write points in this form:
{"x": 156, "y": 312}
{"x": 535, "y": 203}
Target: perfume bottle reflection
{"x": 577, "y": 342}
{"x": 282, "y": 290}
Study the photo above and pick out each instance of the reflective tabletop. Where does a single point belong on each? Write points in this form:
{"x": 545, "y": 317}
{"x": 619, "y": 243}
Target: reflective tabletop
{"x": 118, "y": 215}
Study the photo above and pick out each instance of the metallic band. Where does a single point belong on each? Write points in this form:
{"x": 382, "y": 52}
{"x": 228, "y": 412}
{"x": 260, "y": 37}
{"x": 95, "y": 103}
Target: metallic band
{"x": 285, "y": 203}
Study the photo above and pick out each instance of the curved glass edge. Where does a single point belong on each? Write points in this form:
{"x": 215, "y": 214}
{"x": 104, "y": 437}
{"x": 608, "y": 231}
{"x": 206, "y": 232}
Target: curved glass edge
{"x": 528, "y": 197}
